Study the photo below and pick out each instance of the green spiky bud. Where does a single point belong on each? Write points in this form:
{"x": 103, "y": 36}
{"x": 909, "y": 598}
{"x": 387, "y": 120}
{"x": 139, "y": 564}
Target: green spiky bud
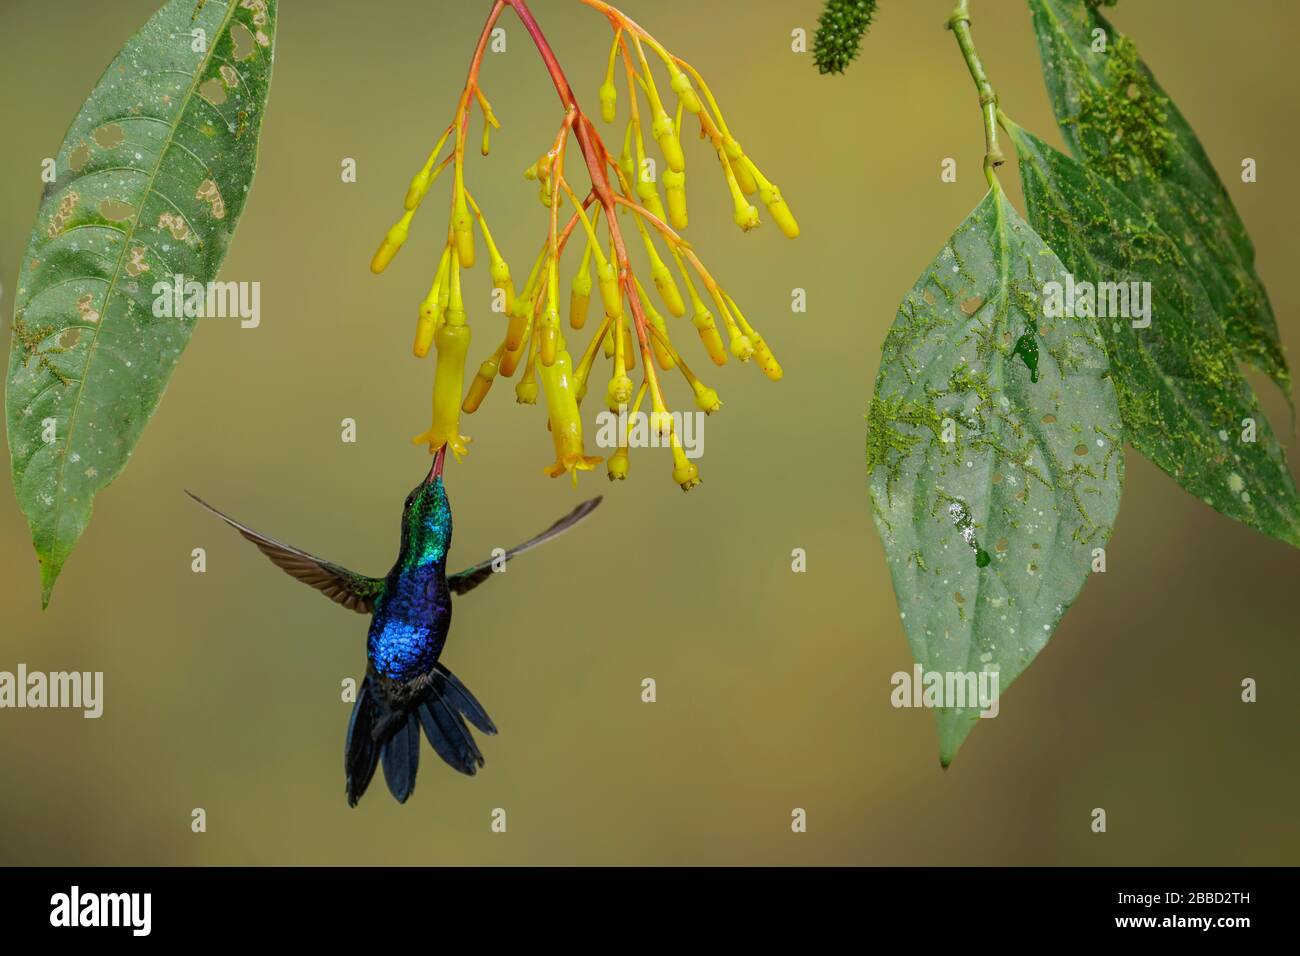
{"x": 840, "y": 30}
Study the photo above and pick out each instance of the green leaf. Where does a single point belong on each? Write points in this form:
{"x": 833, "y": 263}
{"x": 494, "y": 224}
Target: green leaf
{"x": 990, "y": 535}
{"x": 1118, "y": 121}
{"x": 151, "y": 180}
{"x": 1184, "y": 400}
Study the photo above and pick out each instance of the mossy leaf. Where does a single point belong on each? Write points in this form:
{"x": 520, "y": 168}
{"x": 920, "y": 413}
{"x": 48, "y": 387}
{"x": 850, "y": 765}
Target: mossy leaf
{"x": 1119, "y": 122}
{"x": 1185, "y": 402}
{"x": 150, "y": 182}
{"x": 995, "y": 456}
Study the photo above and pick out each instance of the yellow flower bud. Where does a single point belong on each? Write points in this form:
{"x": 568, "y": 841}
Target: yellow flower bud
{"x": 742, "y": 347}
{"x": 665, "y": 133}
{"x": 526, "y": 392}
{"x": 424, "y": 330}
{"x": 771, "y": 197}
{"x": 392, "y": 243}
{"x": 746, "y": 216}
{"x": 608, "y": 101}
{"x": 549, "y": 342}
{"x": 419, "y": 186}
{"x": 617, "y": 466}
{"x": 610, "y": 293}
{"x": 681, "y": 85}
{"x": 684, "y": 471}
{"x": 709, "y": 335}
{"x": 619, "y": 392}
{"x": 462, "y": 225}
{"x": 668, "y": 291}
{"x": 478, "y": 389}
{"x": 580, "y": 296}
{"x": 766, "y": 360}
{"x": 706, "y": 399}
{"x": 675, "y": 187}
{"x": 743, "y": 175}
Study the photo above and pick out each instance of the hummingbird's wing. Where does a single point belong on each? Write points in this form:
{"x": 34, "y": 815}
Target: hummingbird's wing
{"x": 354, "y": 591}
{"x": 471, "y": 578}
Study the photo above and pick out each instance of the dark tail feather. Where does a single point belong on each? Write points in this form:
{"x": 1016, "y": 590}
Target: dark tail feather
{"x": 447, "y": 733}
{"x": 401, "y": 758}
{"x": 378, "y": 734}
{"x": 458, "y": 696}
{"x": 362, "y": 752}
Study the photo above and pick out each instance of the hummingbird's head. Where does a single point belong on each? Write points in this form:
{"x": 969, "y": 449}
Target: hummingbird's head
{"x": 426, "y": 516}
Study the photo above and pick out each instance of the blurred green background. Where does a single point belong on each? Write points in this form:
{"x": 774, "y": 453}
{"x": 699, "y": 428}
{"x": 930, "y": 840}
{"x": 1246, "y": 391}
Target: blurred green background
{"x": 223, "y": 689}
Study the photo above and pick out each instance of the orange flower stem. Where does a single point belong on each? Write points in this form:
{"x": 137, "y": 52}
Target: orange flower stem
{"x": 594, "y": 152}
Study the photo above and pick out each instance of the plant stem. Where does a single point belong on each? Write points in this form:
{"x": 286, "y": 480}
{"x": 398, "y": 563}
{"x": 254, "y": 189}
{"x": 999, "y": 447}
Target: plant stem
{"x": 959, "y": 24}
{"x": 593, "y": 151}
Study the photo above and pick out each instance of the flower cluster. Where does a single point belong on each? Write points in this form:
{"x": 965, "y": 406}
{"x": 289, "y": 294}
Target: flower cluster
{"x": 623, "y": 189}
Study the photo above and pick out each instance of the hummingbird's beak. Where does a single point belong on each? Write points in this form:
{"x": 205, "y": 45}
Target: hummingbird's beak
{"x": 436, "y": 471}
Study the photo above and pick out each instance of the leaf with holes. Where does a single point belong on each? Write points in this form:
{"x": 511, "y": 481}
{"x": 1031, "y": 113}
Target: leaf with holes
{"x": 1185, "y": 403}
{"x": 996, "y": 460}
{"x": 1118, "y": 121}
{"x": 151, "y": 179}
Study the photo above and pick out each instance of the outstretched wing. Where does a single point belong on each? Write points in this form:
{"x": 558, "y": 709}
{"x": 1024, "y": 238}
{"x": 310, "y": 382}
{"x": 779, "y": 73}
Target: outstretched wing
{"x": 354, "y": 591}
{"x": 471, "y": 578}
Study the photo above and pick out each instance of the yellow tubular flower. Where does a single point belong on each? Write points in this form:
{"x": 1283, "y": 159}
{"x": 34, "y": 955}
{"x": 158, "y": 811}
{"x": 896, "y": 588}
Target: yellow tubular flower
{"x": 741, "y": 346}
{"x": 661, "y": 127}
{"x": 497, "y": 267}
{"x": 709, "y": 335}
{"x": 549, "y": 341}
{"x": 392, "y": 243}
{"x": 625, "y": 164}
{"x": 482, "y": 384}
{"x": 512, "y": 357}
{"x": 736, "y": 155}
{"x": 684, "y": 471}
{"x": 521, "y": 312}
{"x": 681, "y": 84}
{"x": 618, "y": 464}
{"x": 526, "y": 389}
{"x": 431, "y": 310}
{"x": 706, "y": 399}
{"x": 608, "y": 90}
{"x": 489, "y": 120}
{"x": 771, "y": 197}
{"x": 566, "y": 425}
{"x": 426, "y": 177}
{"x": 675, "y": 189}
{"x": 745, "y": 213}
{"x": 766, "y": 360}
{"x": 583, "y": 371}
{"x": 448, "y": 386}
{"x": 662, "y": 354}
{"x": 663, "y": 279}
{"x": 462, "y": 225}
{"x": 452, "y": 339}
{"x": 580, "y": 292}
{"x": 619, "y": 392}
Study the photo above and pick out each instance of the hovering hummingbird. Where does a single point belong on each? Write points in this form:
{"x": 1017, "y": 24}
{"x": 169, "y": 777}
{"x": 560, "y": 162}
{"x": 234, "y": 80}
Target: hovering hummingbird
{"x": 406, "y": 687}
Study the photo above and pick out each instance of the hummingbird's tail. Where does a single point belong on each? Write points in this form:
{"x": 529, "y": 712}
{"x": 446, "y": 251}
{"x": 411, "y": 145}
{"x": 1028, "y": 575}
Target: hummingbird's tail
{"x": 378, "y": 733}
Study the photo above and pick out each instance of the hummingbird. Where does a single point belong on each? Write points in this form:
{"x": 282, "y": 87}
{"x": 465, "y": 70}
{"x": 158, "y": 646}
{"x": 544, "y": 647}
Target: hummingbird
{"x": 406, "y": 687}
